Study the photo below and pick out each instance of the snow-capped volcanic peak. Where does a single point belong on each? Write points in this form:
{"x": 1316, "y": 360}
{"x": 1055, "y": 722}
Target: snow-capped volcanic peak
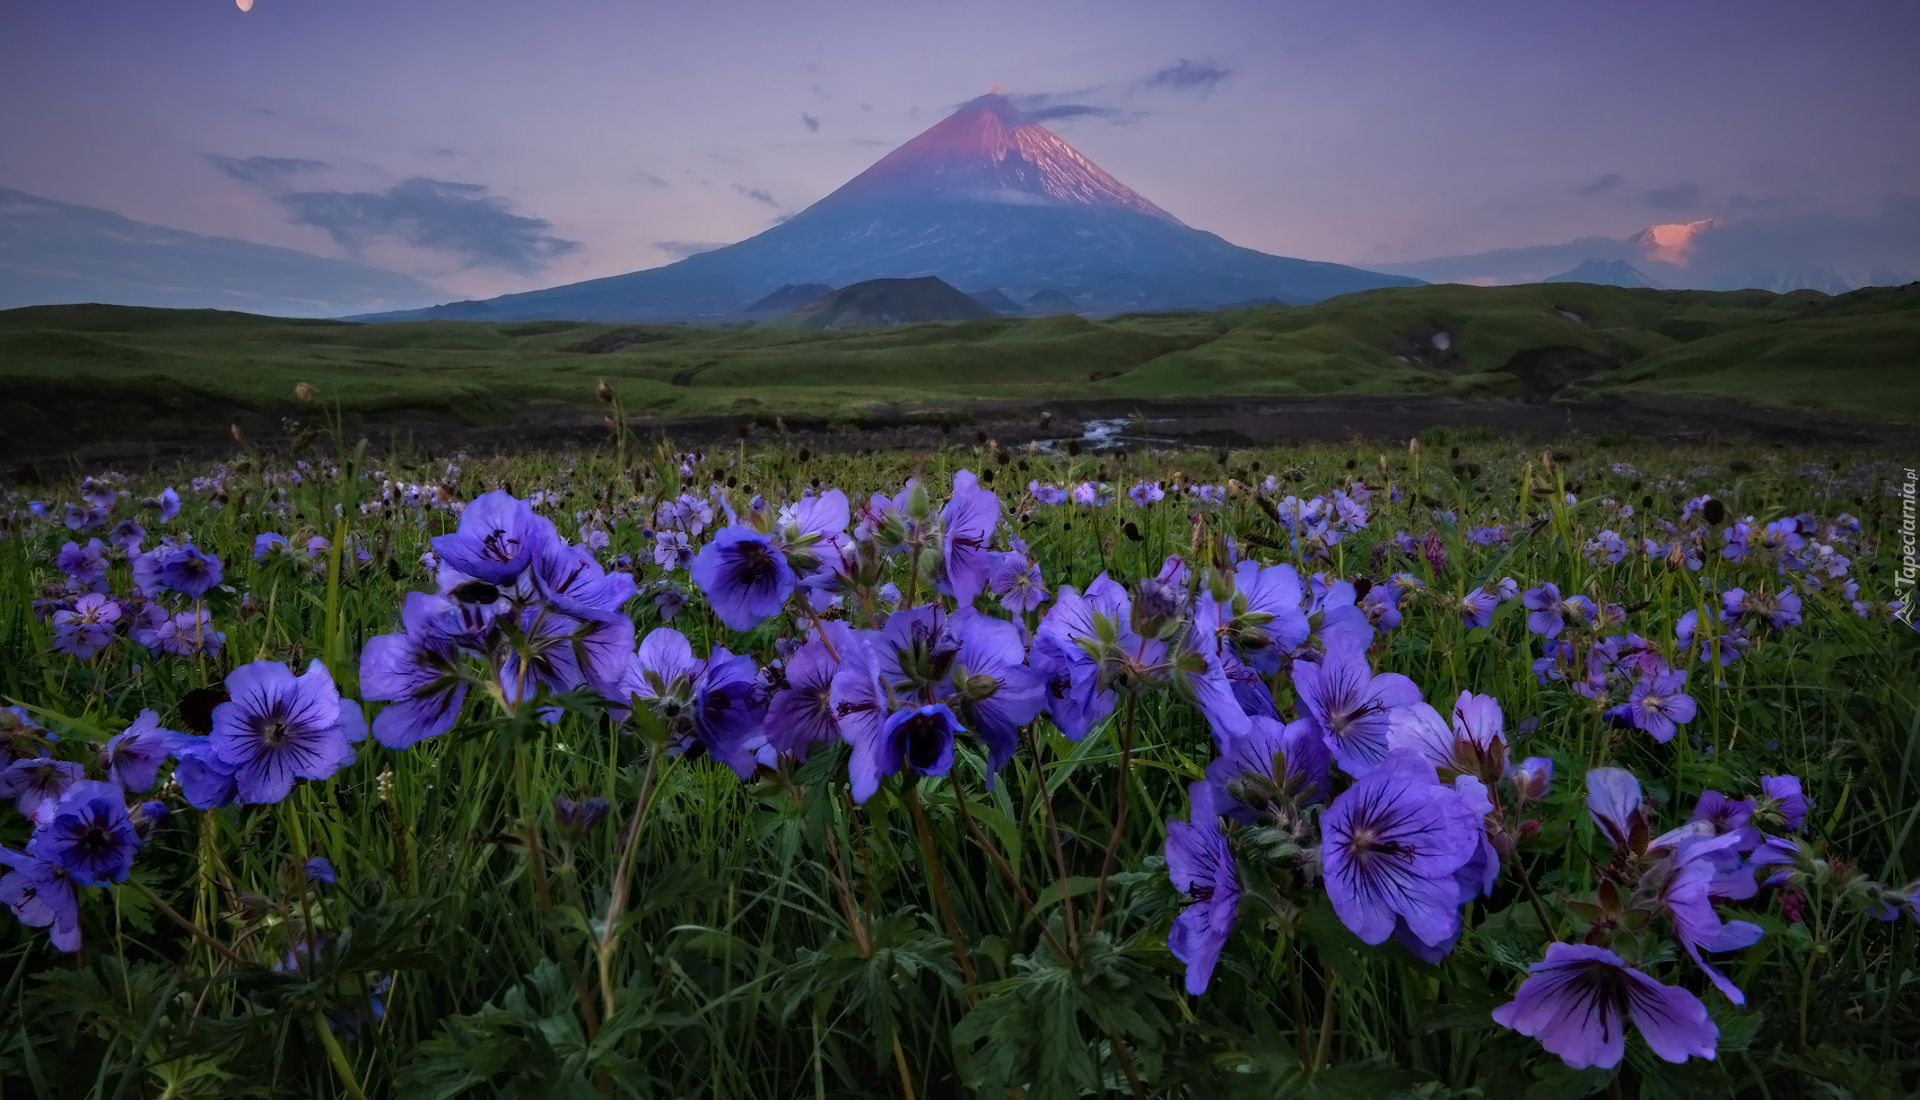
{"x": 1673, "y": 242}
{"x": 988, "y": 151}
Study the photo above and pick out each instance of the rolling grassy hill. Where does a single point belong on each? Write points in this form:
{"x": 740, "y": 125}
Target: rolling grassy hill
{"x": 77, "y": 374}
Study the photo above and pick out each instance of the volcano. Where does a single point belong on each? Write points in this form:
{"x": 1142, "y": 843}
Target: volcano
{"x": 986, "y": 197}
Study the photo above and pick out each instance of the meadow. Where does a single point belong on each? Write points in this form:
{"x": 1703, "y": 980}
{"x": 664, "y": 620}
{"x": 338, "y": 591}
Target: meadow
{"x": 75, "y": 375}
{"x": 1450, "y": 767}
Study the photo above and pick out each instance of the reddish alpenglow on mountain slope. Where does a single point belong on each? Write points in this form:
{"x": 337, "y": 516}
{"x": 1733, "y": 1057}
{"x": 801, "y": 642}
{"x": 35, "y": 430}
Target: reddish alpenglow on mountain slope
{"x": 986, "y": 199}
{"x": 989, "y": 151}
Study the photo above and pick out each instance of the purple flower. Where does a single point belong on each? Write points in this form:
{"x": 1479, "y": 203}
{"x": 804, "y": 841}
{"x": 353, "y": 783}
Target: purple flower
{"x": 1532, "y": 778}
{"x": 1549, "y": 611}
{"x": 268, "y": 543}
{"x": 128, "y": 536}
{"x": 1689, "y": 904}
{"x": 1477, "y": 608}
{"x": 205, "y": 780}
{"x": 278, "y": 727}
{"x": 577, "y": 818}
{"x": 1783, "y": 796}
{"x": 186, "y": 569}
{"x": 1613, "y": 801}
{"x": 42, "y": 895}
{"x": 730, "y": 710}
{"x": 87, "y": 628}
{"x": 85, "y": 565}
{"x": 1353, "y": 707}
{"x": 1265, "y": 621}
{"x": 968, "y": 520}
{"x": 89, "y": 834}
{"x": 418, "y": 672}
{"x": 169, "y": 504}
{"x": 1659, "y": 706}
{"x": 1578, "y": 1001}
{"x": 995, "y": 690}
{"x": 320, "y": 869}
{"x": 1147, "y": 492}
{"x": 571, "y": 579}
{"x": 496, "y": 540}
{"x": 671, "y": 551}
{"x": 1077, "y": 700}
{"x": 918, "y": 741}
{"x": 36, "y": 783}
{"x": 1392, "y": 844}
{"x": 1017, "y": 581}
{"x": 133, "y": 756}
{"x": 186, "y": 634}
{"x": 745, "y": 576}
{"x": 800, "y": 713}
{"x": 1201, "y": 867}
{"x": 1269, "y": 758}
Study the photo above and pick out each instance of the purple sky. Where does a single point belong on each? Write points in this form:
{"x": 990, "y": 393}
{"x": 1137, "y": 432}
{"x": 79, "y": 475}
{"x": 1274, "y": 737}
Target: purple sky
{"x": 1361, "y": 132}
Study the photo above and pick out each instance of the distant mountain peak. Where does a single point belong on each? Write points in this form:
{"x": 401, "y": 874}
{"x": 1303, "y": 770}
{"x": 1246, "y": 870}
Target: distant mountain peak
{"x": 987, "y": 151}
{"x": 1673, "y": 242}
{"x": 1605, "y": 273}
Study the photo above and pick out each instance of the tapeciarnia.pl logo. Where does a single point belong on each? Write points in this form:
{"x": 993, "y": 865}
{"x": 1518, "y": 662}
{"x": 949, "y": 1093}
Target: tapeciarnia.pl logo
{"x": 1904, "y": 577}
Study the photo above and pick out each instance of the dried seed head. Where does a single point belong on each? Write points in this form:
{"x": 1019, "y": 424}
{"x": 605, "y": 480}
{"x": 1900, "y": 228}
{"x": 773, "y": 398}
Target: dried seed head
{"x": 1413, "y": 446}
{"x": 604, "y": 392}
{"x": 307, "y": 393}
{"x": 238, "y": 435}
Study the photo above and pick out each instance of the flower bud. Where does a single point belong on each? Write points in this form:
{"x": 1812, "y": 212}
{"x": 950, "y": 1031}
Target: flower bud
{"x": 320, "y": 869}
{"x": 578, "y": 818}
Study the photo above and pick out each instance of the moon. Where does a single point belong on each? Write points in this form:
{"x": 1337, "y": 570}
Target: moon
{"x": 245, "y": 5}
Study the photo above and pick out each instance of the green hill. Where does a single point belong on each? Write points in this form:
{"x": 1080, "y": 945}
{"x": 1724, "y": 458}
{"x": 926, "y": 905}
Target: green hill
{"x": 77, "y": 374}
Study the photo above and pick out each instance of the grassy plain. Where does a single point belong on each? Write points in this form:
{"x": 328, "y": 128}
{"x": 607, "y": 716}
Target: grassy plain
{"x": 77, "y": 374}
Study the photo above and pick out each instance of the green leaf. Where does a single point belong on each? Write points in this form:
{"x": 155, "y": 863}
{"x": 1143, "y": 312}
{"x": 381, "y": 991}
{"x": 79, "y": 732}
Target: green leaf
{"x": 1512, "y": 937}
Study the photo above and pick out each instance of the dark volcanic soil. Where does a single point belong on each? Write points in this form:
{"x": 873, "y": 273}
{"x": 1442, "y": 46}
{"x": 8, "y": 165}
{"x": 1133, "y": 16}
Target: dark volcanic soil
{"x": 1219, "y": 422}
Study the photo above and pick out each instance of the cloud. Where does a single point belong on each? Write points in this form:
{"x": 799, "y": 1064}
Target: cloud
{"x": 680, "y": 250}
{"x": 1072, "y": 110}
{"x": 1187, "y": 76}
{"x": 1681, "y": 196}
{"x": 812, "y": 123}
{"x": 650, "y": 179}
{"x": 460, "y": 219}
{"x": 757, "y": 195}
{"x": 268, "y": 172}
{"x": 1612, "y": 181}
{"x": 1064, "y": 106}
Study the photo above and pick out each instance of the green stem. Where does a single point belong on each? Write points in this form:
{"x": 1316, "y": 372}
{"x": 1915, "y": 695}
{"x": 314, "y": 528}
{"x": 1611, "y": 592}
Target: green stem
{"x": 341, "y": 1065}
{"x": 939, "y": 880}
{"x": 1120, "y": 815}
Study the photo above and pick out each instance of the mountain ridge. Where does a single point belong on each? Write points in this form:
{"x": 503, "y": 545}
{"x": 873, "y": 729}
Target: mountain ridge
{"x": 985, "y": 197}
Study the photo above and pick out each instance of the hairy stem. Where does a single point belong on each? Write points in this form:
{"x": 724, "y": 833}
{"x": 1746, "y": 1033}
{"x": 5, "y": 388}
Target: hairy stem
{"x": 1120, "y": 815}
{"x": 940, "y": 897}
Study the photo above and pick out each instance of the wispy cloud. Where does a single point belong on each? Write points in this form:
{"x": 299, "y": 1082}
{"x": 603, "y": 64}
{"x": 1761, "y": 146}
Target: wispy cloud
{"x": 1188, "y": 76}
{"x": 1064, "y": 106}
{"x": 680, "y": 250}
{"x": 1612, "y": 181}
{"x": 757, "y": 195}
{"x": 264, "y": 171}
{"x": 459, "y": 219}
{"x": 812, "y": 124}
{"x": 1073, "y": 110}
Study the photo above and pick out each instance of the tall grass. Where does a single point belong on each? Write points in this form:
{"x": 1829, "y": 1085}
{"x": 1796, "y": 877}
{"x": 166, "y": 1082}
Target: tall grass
{"x": 950, "y": 937}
